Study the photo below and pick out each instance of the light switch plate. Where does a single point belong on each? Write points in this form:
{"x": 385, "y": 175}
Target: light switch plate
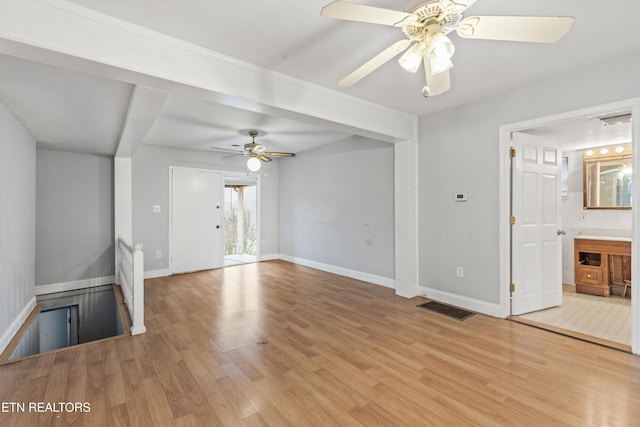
{"x": 156, "y": 208}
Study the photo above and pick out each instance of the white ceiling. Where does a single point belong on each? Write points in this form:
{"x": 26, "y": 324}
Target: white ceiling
{"x": 290, "y": 36}
{"x": 64, "y": 110}
{"x": 586, "y": 132}
{"x": 71, "y": 111}
{"x": 202, "y": 125}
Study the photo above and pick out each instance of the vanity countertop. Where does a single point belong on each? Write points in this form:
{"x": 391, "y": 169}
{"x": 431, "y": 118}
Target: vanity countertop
{"x": 603, "y": 237}
{"x": 602, "y": 234}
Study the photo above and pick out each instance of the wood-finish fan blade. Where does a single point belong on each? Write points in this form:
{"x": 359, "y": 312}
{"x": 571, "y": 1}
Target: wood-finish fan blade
{"x": 278, "y": 154}
{"x": 264, "y": 158}
{"x": 254, "y": 148}
{"x": 374, "y": 63}
{"x": 538, "y": 29}
{"x": 363, "y": 13}
{"x": 436, "y": 83}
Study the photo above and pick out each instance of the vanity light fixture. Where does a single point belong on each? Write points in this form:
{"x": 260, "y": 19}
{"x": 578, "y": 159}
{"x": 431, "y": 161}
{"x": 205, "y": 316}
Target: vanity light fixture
{"x": 604, "y": 151}
{"x": 619, "y": 150}
{"x": 589, "y": 153}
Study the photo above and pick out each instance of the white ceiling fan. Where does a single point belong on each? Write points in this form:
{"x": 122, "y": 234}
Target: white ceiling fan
{"x": 426, "y": 25}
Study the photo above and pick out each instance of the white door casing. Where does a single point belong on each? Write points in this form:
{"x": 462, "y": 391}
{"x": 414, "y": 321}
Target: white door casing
{"x": 196, "y": 220}
{"x": 536, "y": 245}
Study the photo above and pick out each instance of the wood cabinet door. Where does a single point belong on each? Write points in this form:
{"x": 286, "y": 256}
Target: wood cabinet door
{"x": 619, "y": 269}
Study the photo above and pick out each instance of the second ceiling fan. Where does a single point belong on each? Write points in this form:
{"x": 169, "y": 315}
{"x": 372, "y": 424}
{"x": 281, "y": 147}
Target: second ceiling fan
{"x": 257, "y": 153}
{"x": 426, "y": 25}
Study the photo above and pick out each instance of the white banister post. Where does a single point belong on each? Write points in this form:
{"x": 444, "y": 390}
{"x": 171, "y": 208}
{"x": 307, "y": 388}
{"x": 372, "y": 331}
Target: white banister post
{"x": 138, "y": 291}
{"x": 117, "y": 259}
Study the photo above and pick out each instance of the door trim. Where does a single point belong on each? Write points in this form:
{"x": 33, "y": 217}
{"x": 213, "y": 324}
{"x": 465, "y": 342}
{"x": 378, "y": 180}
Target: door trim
{"x": 222, "y": 174}
{"x": 504, "y": 212}
{"x": 251, "y": 178}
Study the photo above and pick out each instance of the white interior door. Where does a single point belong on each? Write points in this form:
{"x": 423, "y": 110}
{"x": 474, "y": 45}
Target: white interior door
{"x": 196, "y": 220}
{"x": 536, "y": 249}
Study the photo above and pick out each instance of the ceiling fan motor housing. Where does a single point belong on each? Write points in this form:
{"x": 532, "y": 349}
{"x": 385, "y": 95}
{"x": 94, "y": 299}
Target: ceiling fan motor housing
{"x": 427, "y": 16}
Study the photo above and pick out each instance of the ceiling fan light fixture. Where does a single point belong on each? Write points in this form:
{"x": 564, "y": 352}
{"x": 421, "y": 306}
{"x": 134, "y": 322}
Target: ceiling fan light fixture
{"x": 253, "y": 164}
{"x": 411, "y": 59}
{"x": 440, "y": 46}
{"x": 438, "y": 65}
{"x": 440, "y": 52}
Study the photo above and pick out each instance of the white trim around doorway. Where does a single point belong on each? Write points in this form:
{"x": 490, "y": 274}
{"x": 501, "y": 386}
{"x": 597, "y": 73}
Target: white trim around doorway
{"x": 632, "y": 104}
{"x": 223, "y": 174}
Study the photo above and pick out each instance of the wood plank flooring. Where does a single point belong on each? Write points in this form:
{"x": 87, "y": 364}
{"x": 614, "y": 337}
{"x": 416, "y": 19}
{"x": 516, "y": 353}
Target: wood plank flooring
{"x": 276, "y": 344}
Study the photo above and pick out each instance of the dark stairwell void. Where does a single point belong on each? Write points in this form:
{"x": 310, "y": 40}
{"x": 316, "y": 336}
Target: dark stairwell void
{"x": 70, "y": 318}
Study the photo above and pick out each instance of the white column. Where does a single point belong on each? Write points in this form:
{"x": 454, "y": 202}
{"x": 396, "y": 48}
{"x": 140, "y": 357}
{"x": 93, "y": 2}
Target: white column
{"x": 406, "y": 218}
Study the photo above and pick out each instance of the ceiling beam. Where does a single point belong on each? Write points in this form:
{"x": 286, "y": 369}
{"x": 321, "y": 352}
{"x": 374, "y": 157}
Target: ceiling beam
{"x": 75, "y": 37}
{"x": 144, "y": 107}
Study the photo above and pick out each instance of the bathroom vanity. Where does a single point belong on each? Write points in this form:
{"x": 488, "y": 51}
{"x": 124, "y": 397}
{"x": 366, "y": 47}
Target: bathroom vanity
{"x": 601, "y": 262}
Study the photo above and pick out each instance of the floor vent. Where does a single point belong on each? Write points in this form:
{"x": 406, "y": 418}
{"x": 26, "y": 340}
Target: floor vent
{"x": 447, "y": 310}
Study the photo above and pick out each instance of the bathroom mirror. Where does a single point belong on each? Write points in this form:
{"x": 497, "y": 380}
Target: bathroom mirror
{"x": 608, "y": 178}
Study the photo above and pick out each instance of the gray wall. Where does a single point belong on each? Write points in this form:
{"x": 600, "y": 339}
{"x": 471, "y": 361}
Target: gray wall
{"x": 17, "y": 220}
{"x": 151, "y": 187}
{"x": 336, "y": 206}
{"x": 74, "y": 217}
{"x": 458, "y": 152}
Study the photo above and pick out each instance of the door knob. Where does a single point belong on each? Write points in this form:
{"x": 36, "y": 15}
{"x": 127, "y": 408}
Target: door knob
{"x": 217, "y": 226}
{"x": 561, "y": 232}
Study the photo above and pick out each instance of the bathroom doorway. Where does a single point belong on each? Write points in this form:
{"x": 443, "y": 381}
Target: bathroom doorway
{"x": 593, "y": 309}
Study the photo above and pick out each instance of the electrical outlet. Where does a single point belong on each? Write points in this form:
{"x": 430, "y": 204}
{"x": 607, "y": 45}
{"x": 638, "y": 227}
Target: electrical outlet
{"x": 459, "y": 272}
{"x": 156, "y": 208}
{"x": 158, "y": 254}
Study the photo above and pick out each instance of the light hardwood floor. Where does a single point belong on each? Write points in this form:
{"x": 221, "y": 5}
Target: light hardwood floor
{"x": 278, "y": 344}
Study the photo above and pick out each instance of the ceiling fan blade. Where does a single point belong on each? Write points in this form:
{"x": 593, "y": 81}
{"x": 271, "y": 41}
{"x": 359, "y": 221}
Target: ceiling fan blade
{"x": 278, "y": 154}
{"x": 436, "y": 83}
{"x": 374, "y": 63}
{"x": 455, "y": 6}
{"x": 252, "y": 147}
{"x": 227, "y": 149}
{"x": 539, "y": 29}
{"x": 363, "y": 13}
{"x": 264, "y": 158}
{"x": 234, "y": 155}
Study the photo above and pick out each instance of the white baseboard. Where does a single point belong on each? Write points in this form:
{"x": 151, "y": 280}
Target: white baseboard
{"x": 153, "y": 274}
{"x": 76, "y": 284}
{"x": 463, "y": 302}
{"x": 269, "y": 257}
{"x": 16, "y": 324}
{"x": 365, "y": 277}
